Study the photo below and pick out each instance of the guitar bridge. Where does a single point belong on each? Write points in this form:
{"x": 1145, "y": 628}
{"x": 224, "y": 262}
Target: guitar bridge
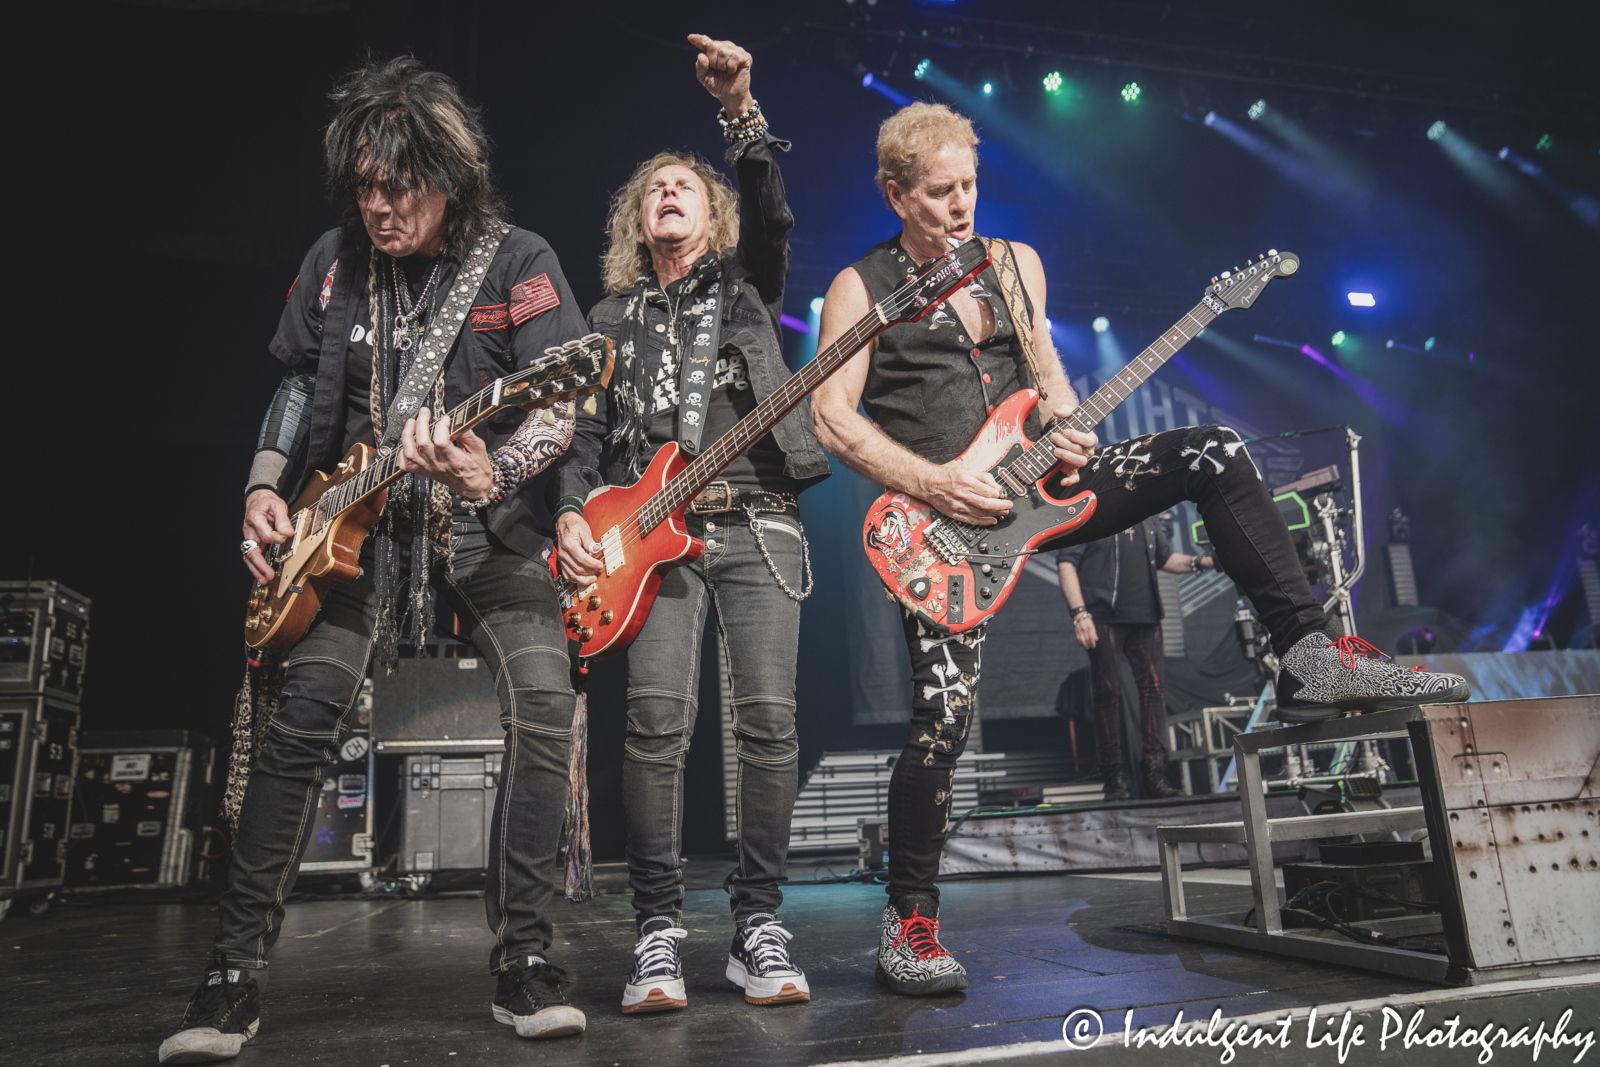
{"x": 949, "y": 544}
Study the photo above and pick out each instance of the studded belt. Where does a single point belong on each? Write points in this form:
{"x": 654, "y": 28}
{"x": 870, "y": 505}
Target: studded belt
{"x": 720, "y": 498}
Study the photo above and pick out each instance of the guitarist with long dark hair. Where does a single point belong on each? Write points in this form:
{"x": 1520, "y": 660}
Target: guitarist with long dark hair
{"x": 425, "y": 294}
{"x": 929, "y": 390}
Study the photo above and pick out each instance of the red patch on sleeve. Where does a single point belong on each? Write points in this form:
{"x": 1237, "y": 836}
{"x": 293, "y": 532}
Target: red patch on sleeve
{"x": 292, "y": 284}
{"x": 532, "y": 297}
{"x": 489, "y": 317}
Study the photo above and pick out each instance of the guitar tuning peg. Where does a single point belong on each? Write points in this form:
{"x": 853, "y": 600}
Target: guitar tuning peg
{"x": 1272, "y": 251}
{"x": 1213, "y": 279}
{"x": 1226, "y": 275}
{"x": 572, "y": 345}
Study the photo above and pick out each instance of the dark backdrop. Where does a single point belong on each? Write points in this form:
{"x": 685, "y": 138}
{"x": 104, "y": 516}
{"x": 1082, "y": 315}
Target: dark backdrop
{"x": 166, "y": 176}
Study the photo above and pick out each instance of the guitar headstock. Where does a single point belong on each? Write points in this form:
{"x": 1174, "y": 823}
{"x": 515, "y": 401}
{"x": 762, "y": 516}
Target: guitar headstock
{"x": 570, "y": 370}
{"x": 937, "y": 279}
{"x": 1239, "y": 287}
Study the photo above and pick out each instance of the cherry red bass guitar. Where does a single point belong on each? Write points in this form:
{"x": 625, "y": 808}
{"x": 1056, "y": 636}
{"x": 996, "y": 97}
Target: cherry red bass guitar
{"x": 640, "y": 527}
{"x": 953, "y": 575}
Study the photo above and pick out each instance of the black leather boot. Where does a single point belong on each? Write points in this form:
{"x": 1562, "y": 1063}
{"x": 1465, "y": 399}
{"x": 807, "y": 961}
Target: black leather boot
{"x": 1116, "y": 785}
{"x": 1153, "y": 784}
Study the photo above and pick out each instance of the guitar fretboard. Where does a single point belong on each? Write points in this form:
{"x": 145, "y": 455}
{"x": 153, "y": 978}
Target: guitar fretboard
{"x": 771, "y": 411}
{"x": 1040, "y": 457}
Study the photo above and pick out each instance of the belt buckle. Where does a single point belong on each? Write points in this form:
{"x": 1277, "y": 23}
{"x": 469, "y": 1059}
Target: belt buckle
{"x": 697, "y": 507}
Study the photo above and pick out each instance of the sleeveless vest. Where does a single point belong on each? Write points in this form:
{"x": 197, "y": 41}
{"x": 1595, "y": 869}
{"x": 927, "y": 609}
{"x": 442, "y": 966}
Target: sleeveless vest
{"x": 930, "y": 387}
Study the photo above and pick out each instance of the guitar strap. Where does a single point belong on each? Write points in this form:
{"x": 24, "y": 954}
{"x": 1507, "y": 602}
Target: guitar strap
{"x": 698, "y": 371}
{"x": 427, "y": 364}
{"x": 1005, "y": 270}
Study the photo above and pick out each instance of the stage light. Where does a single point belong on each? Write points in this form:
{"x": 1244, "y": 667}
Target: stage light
{"x": 988, "y": 88}
{"x": 1052, "y": 82}
{"x": 1427, "y": 346}
{"x": 1361, "y": 300}
{"x": 1339, "y": 339}
{"x": 1210, "y": 119}
{"x": 1130, "y": 92}
{"x": 1437, "y": 130}
{"x": 866, "y": 80}
{"x": 1257, "y": 109}
{"x": 1543, "y": 144}
{"x": 1102, "y": 324}
{"x": 816, "y": 305}
{"x": 921, "y": 69}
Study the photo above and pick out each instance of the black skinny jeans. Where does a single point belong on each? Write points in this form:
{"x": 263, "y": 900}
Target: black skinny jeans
{"x": 508, "y": 603}
{"x": 1140, "y": 644}
{"x": 1131, "y": 480}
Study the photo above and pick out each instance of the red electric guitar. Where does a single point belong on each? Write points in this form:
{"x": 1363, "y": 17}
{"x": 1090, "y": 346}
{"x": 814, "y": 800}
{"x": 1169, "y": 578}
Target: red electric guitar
{"x": 640, "y": 527}
{"x": 953, "y": 575}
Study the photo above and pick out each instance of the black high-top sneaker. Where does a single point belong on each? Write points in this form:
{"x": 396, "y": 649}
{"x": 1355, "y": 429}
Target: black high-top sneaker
{"x": 910, "y": 959}
{"x": 529, "y": 997}
{"x": 1153, "y": 784}
{"x": 223, "y": 1014}
{"x": 657, "y": 981}
{"x": 758, "y": 963}
{"x": 1320, "y": 678}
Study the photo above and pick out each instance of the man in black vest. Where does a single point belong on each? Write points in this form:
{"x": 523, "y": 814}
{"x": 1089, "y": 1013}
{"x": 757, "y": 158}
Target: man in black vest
{"x": 927, "y": 389}
{"x": 376, "y": 300}
{"x": 1110, "y": 588}
{"x": 696, "y": 281}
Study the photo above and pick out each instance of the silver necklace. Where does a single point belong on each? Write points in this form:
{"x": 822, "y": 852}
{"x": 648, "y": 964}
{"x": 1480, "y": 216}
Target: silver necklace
{"x": 406, "y": 330}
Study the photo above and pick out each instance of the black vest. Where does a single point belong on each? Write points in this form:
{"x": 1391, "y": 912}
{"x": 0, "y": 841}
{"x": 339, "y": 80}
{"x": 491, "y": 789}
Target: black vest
{"x": 926, "y": 384}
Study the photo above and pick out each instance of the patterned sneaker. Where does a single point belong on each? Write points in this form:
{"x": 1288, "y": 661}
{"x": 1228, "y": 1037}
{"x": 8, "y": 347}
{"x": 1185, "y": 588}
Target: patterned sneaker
{"x": 910, "y": 959}
{"x": 223, "y": 1014}
{"x": 758, "y": 963}
{"x": 529, "y": 997}
{"x": 657, "y": 982}
{"x": 1320, "y": 678}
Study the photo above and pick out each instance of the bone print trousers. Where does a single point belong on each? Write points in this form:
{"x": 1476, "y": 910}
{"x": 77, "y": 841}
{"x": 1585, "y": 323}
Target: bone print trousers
{"x": 1131, "y": 480}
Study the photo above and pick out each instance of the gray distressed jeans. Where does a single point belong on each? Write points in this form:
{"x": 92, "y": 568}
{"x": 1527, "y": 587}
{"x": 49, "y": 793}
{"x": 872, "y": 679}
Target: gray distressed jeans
{"x": 759, "y": 625}
{"x": 508, "y": 604}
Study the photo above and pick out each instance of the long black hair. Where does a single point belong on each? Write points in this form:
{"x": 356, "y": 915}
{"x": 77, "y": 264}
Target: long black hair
{"x": 396, "y": 117}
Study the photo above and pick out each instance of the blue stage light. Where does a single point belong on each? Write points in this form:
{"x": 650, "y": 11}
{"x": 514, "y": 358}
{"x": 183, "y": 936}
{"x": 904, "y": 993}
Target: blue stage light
{"x": 1427, "y": 346}
{"x": 1437, "y": 130}
{"x": 866, "y": 80}
{"x": 816, "y": 305}
{"x": 1361, "y": 300}
{"x": 1210, "y": 119}
{"x": 1102, "y": 324}
{"x": 1257, "y": 109}
{"x": 988, "y": 87}
{"x": 920, "y": 71}
{"x": 1130, "y": 92}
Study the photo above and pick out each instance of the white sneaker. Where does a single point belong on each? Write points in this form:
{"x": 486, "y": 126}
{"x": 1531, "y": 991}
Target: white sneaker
{"x": 657, "y": 981}
{"x": 758, "y": 963}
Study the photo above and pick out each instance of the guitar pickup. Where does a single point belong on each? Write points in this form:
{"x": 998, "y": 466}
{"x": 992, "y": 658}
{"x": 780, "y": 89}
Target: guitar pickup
{"x": 611, "y": 550}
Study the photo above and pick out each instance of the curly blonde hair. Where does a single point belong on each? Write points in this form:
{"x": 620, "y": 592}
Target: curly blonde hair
{"x": 627, "y": 257}
{"x": 910, "y": 132}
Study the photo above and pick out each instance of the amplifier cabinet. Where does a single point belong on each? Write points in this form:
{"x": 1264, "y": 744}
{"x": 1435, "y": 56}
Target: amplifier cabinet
{"x": 428, "y": 699}
{"x": 446, "y": 808}
{"x": 44, "y": 639}
{"x": 38, "y": 760}
{"x": 140, "y": 809}
{"x": 342, "y": 830}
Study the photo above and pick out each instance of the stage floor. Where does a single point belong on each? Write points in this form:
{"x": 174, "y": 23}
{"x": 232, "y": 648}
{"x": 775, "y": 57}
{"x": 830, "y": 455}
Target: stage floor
{"x": 389, "y": 982}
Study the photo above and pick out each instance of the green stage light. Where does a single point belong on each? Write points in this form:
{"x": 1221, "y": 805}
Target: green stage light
{"x": 1437, "y": 130}
{"x": 1543, "y": 144}
{"x": 1339, "y": 339}
{"x": 1052, "y": 82}
{"x": 921, "y": 69}
{"x": 1130, "y": 92}
{"x": 1257, "y": 109}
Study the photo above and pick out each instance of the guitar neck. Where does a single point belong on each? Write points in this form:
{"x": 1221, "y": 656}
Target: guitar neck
{"x": 756, "y": 425}
{"x": 1040, "y": 457}
{"x": 386, "y": 469}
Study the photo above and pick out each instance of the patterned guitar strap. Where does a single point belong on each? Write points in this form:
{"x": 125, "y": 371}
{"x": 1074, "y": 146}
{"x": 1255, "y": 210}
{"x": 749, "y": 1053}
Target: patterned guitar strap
{"x": 1005, "y": 270}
